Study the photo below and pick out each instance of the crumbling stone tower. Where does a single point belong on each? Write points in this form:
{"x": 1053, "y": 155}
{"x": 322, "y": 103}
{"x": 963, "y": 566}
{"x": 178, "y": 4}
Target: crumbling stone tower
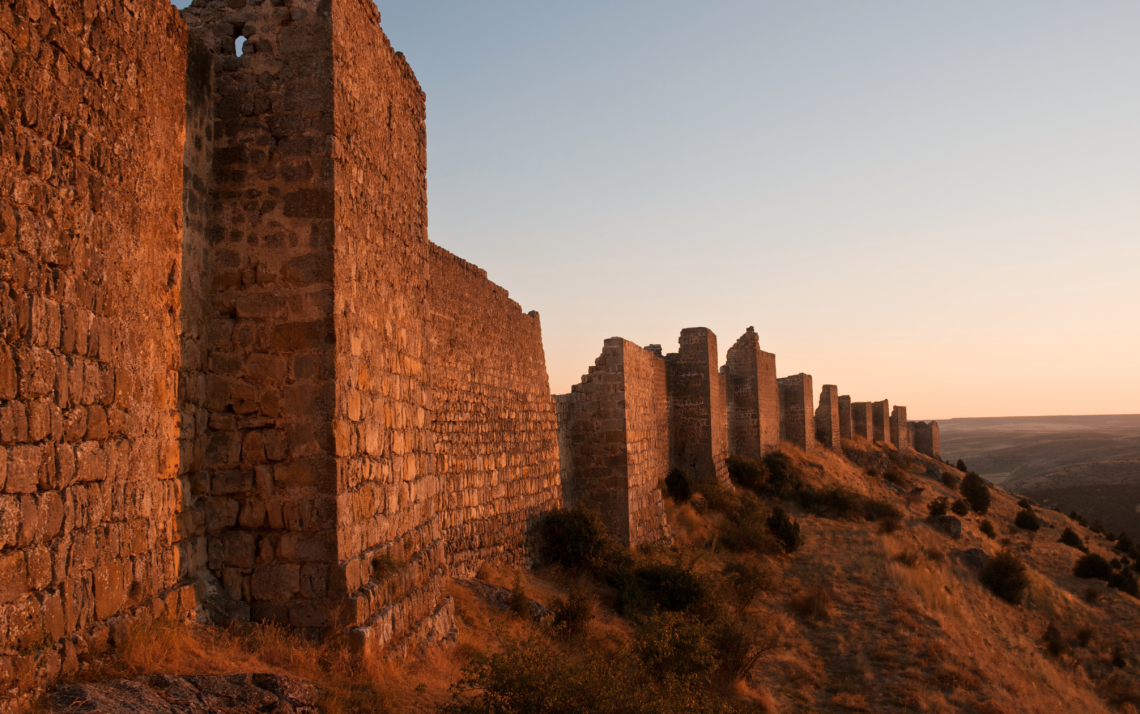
{"x": 614, "y": 442}
{"x": 926, "y": 438}
{"x": 862, "y": 420}
{"x": 698, "y": 407}
{"x": 797, "y": 420}
{"x": 753, "y": 398}
{"x": 845, "y": 417}
{"x": 827, "y": 418}
{"x": 899, "y": 432}
{"x": 880, "y": 420}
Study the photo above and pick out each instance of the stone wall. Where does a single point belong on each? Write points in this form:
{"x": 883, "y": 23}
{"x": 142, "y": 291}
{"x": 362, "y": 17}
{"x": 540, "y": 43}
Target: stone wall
{"x": 797, "y": 419}
{"x": 845, "y": 417}
{"x": 926, "y": 438}
{"x": 753, "y": 398}
{"x": 614, "y": 438}
{"x": 827, "y": 418}
{"x": 880, "y": 421}
{"x": 862, "y": 421}
{"x": 698, "y": 407}
{"x": 92, "y": 99}
{"x": 900, "y": 435}
{"x": 496, "y": 432}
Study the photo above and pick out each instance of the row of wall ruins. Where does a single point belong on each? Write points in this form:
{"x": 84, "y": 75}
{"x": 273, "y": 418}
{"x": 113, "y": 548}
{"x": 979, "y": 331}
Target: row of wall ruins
{"x": 237, "y": 380}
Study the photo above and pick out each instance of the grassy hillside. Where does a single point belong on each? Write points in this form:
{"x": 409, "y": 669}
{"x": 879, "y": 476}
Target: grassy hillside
{"x": 875, "y": 608}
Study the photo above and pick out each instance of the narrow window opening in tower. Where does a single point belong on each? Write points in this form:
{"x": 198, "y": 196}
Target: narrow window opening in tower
{"x": 239, "y": 43}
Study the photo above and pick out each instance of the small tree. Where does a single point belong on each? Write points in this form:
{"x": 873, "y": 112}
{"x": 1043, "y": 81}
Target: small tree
{"x": 962, "y": 466}
{"x": 1124, "y": 581}
{"x": 786, "y": 530}
{"x": 976, "y": 492}
{"x": 938, "y": 506}
{"x": 988, "y": 528}
{"x": 1026, "y": 519}
{"x": 1006, "y": 576}
{"x": 1092, "y": 566}
{"x": 959, "y": 507}
{"x": 1070, "y": 538}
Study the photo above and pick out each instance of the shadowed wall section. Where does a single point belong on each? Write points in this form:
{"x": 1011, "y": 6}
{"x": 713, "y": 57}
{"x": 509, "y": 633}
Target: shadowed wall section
{"x": 753, "y": 398}
{"x": 900, "y": 434}
{"x": 862, "y": 420}
{"x": 926, "y": 439}
{"x": 698, "y": 407}
{"x": 827, "y": 417}
{"x": 880, "y": 421}
{"x": 797, "y": 420}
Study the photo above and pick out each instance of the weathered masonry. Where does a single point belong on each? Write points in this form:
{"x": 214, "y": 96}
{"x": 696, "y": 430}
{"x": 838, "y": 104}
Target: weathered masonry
{"x": 614, "y": 441}
{"x": 753, "y": 398}
{"x": 827, "y": 418}
{"x": 235, "y": 375}
{"x": 880, "y": 420}
{"x": 797, "y": 418}
{"x": 899, "y": 432}
{"x": 926, "y": 438}
{"x": 845, "y": 417}
{"x": 698, "y": 407}
{"x": 862, "y": 420}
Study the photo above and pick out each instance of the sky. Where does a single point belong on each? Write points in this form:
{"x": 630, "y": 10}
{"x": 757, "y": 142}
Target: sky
{"x": 932, "y": 203}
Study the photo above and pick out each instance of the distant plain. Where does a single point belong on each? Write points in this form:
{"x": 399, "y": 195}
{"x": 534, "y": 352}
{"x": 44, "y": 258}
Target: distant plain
{"x": 1090, "y": 464}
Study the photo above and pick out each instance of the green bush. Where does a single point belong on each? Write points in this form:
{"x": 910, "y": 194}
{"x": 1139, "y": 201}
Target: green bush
{"x": 678, "y": 485}
{"x": 1076, "y": 518}
{"x": 1024, "y": 503}
{"x": 976, "y": 492}
{"x": 1124, "y": 581}
{"x": 1070, "y": 538}
{"x": 675, "y": 645}
{"x": 988, "y": 529}
{"x": 784, "y": 476}
{"x": 669, "y": 587}
{"x": 1092, "y": 566}
{"x": 1006, "y": 576}
{"x": 572, "y": 538}
{"x": 747, "y": 472}
{"x": 962, "y": 466}
{"x": 959, "y": 507}
{"x": 747, "y": 528}
{"x": 785, "y": 530}
{"x": 938, "y": 506}
{"x": 949, "y": 480}
{"x": 571, "y": 616}
{"x": 747, "y": 577}
{"x": 1027, "y": 520}
{"x": 1097, "y": 527}
{"x": 740, "y": 641}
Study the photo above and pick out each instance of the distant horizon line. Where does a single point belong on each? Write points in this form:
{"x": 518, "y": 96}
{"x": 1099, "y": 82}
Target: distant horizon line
{"x": 1038, "y": 416}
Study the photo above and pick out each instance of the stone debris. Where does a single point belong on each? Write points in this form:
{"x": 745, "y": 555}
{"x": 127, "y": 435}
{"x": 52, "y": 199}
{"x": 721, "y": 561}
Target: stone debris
{"x": 500, "y": 598}
{"x": 162, "y": 694}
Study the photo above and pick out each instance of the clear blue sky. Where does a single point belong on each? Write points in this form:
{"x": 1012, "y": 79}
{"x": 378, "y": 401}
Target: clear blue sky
{"x": 934, "y": 203}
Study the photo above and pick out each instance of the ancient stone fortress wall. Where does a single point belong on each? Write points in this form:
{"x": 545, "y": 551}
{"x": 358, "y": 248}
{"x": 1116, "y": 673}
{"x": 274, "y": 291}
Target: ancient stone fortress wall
{"x": 880, "y": 421}
{"x": 797, "y": 419}
{"x": 698, "y": 408}
{"x": 614, "y": 436}
{"x": 496, "y": 432}
{"x": 900, "y": 435}
{"x": 862, "y": 420}
{"x": 926, "y": 438}
{"x": 844, "y": 406}
{"x": 753, "y": 398}
{"x": 827, "y": 418}
{"x": 92, "y": 98}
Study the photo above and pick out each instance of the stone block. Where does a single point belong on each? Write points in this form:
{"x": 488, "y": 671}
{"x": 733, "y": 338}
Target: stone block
{"x": 276, "y": 583}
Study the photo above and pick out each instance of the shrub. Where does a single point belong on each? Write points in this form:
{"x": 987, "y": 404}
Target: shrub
{"x": 959, "y": 507}
{"x": 747, "y": 472}
{"x": 842, "y": 503}
{"x": 571, "y": 616}
{"x": 1076, "y": 518}
{"x": 1026, "y": 519}
{"x": 1124, "y": 581}
{"x": 1006, "y": 576}
{"x": 896, "y": 476}
{"x": 519, "y": 603}
{"x": 1097, "y": 527}
{"x": 670, "y": 587}
{"x": 672, "y": 644}
{"x": 1070, "y": 538}
{"x": 889, "y": 525}
{"x": 1054, "y": 642}
{"x": 573, "y": 538}
{"x": 949, "y": 480}
{"x": 1092, "y": 566}
{"x": 747, "y": 528}
{"x": 813, "y": 603}
{"x": 747, "y": 577}
{"x": 1025, "y": 503}
{"x": 678, "y": 485}
{"x": 784, "y": 529}
{"x": 876, "y": 509}
{"x": 976, "y": 492}
{"x": 938, "y": 506}
{"x": 783, "y": 475}
{"x": 740, "y": 642}
{"x": 962, "y": 466}
{"x": 988, "y": 529}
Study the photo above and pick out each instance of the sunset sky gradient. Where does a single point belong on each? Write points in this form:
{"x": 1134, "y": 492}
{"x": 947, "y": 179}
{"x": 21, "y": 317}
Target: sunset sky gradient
{"x": 933, "y": 203}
